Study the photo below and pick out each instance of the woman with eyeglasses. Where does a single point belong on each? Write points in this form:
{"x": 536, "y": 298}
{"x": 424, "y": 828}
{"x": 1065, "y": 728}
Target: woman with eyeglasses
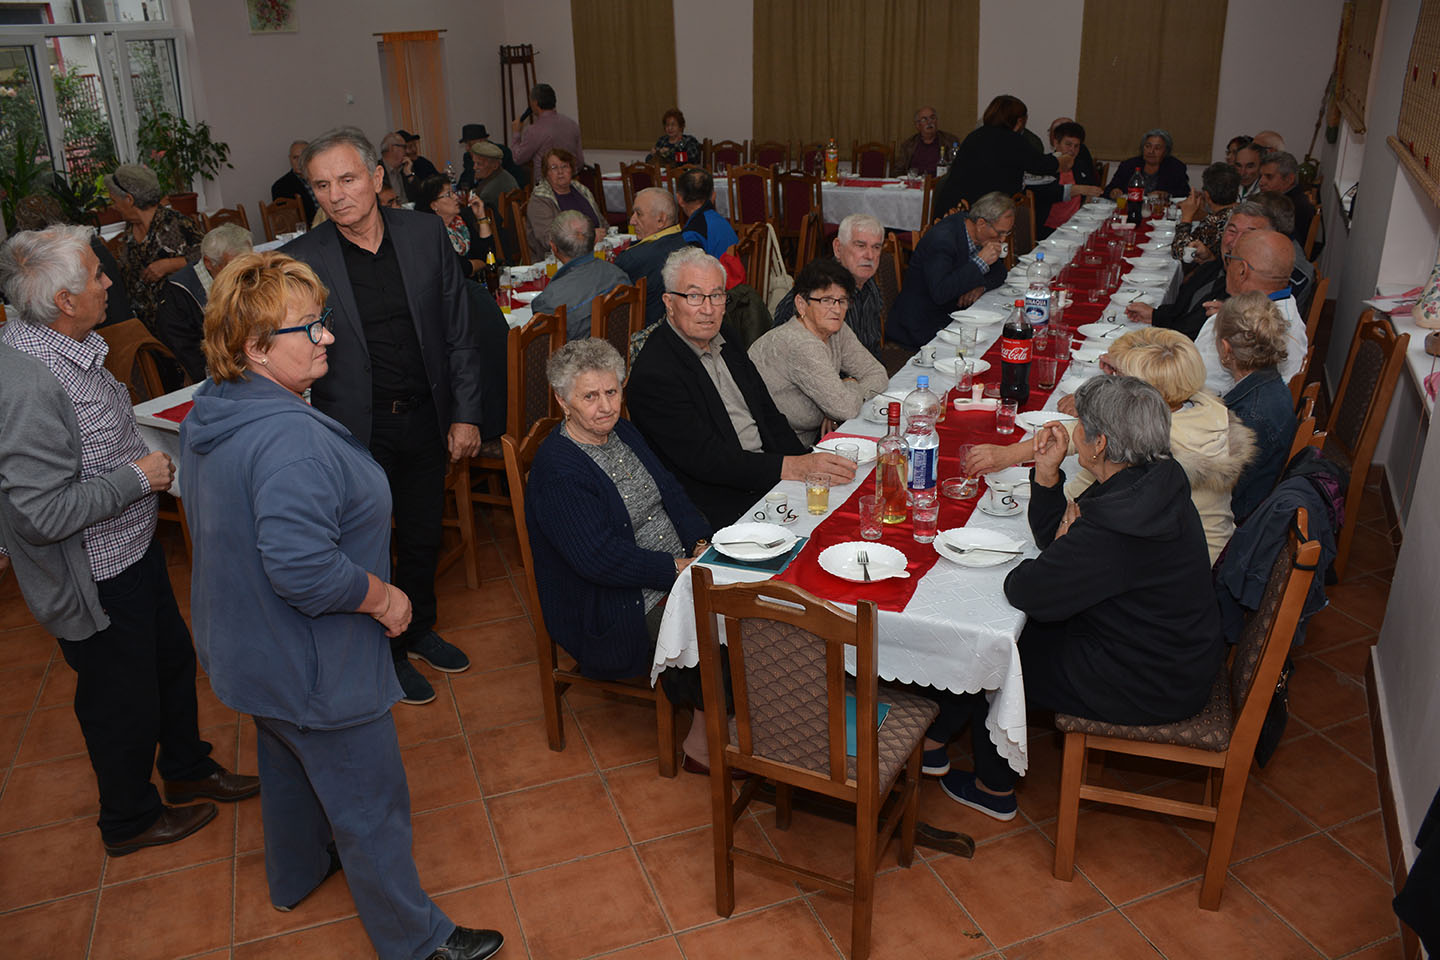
{"x": 291, "y": 606}
{"x": 559, "y": 191}
{"x": 814, "y": 366}
{"x": 468, "y": 225}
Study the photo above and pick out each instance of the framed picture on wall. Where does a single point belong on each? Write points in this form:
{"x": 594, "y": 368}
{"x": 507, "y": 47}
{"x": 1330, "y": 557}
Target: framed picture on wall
{"x": 271, "y": 16}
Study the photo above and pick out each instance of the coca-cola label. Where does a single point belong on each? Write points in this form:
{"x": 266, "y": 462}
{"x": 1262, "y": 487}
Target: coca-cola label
{"x": 1135, "y": 195}
{"x": 1014, "y": 351}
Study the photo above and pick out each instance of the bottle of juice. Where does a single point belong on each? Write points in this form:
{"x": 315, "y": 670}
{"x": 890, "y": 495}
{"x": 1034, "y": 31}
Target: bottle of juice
{"x": 832, "y": 161}
{"x": 892, "y": 466}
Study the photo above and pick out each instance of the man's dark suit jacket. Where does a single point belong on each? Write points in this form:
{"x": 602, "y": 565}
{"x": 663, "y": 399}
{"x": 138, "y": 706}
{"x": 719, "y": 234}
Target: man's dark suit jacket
{"x": 439, "y": 307}
{"x": 677, "y": 407}
{"x": 292, "y": 186}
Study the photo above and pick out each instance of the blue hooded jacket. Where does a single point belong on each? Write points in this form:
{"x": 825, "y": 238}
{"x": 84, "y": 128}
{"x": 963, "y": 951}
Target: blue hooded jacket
{"x": 287, "y": 514}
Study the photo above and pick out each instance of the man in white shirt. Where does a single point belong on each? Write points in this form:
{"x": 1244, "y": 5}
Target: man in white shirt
{"x": 1261, "y": 261}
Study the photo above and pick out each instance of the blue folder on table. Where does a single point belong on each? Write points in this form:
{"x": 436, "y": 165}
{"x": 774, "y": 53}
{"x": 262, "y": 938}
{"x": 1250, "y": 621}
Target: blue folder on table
{"x": 773, "y": 565}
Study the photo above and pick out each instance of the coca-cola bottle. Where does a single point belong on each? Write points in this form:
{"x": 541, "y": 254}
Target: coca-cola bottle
{"x": 1135, "y": 197}
{"x": 1016, "y": 341}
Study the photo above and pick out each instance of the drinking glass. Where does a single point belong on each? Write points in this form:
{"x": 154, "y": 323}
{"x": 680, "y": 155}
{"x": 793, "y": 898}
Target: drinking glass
{"x": 817, "y": 493}
{"x": 872, "y": 526}
{"x": 1045, "y": 368}
{"x": 926, "y": 519}
{"x": 966, "y": 369}
{"x": 1005, "y": 412}
{"x": 850, "y": 451}
{"x": 1060, "y": 344}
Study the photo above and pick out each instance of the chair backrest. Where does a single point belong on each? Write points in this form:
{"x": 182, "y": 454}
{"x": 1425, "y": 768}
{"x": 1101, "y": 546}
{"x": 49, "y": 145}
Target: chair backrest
{"x": 725, "y": 154}
{"x": 519, "y": 455}
{"x": 1304, "y": 433}
{"x": 786, "y": 650}
{"x": 927, "y": 200}
{"x": 131, "y": 359}
{"x": 811, "y": 159}
{"x": 517, "y": 219}
{"x": 617, "y": 315}
{"x": 235, "y": 214}
{"x": 888, "y": 275}
{"x": 672, "y": 177}
{"x": 285, "y": 215}
{"x": 750, "y": 251}
{"x": 636, "y": 177}
{"x": 1297, "y": 382}
{"x": 1102, "y": 174}
{"x": 528, "y": 349}
{"x": 796, "y": 194}
{"x": 1265, "y": 641}
{"x": 1313, "y": 233}
{"x": 1305, "y": 403}
{"x": 770, "y": 153}
{"x": 751, "y": 189}
{"x": 808, "y": 248}
{"x": 508, "y": 238}
{"x": 589, "y": 177}
{"x": 871, "y": 159}
{"x": 1366, "y": 386}
{"x": 1022, "y": 241}
{"x": 1317, "y": 306}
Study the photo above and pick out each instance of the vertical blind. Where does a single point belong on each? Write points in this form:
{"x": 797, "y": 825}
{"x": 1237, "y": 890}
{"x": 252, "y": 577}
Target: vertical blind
{"x": 624, "y": 70}
{"x": 859, "y": 69}
{"x": 415, "y": 87}
{"x": 1417, "y": 134}
{"x": 1150, "y": 63}
{"x": 1363, "y": 18}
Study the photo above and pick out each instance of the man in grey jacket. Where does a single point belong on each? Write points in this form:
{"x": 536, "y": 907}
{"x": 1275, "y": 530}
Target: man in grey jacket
{"x": 77, "y": 518}
{"x": 582, "y": 276}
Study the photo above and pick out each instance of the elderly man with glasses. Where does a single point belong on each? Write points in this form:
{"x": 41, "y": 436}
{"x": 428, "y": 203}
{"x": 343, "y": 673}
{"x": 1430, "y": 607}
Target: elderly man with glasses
{"x": 956, "y": 261}
{"x": 704, "y": 408}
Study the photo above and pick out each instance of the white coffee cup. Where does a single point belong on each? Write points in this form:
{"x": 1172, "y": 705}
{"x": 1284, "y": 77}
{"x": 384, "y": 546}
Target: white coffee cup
{"x": 1004, "y": 249}
{"x": 926, "y": 356}
{"x": 1000, "y": 497}
{"x": 777, "y": 508}
{"x": 1187, "y": 255}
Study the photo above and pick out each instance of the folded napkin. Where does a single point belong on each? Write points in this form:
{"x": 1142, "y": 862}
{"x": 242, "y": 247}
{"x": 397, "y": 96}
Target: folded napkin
{"x": 962, "y": 538}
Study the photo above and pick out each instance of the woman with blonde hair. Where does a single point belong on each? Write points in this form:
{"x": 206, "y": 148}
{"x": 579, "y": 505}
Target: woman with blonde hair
{"x": 1250, "y": 333}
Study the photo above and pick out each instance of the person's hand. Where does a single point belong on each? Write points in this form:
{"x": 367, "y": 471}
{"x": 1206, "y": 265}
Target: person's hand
{"x": 1139, "y": 312}
{"x": 1085, "y": 190}
{"x": 989, "y": 457}
{"x": 1066, "y": 405}
{"x": 515, "y": 125}
{"x": 1052, "y": 442}
{"x": 1116, "y": 194}
{"x": 1107, "y": 365}
{"x": 477, "y": 206}
{"x": 1190, "y": 206}
{"x": 840, "y": 470}
{"x": 1066, "y": 162}
{"x": 966, "y": 299}
{"x": 1202, "y": 252}
{"x": 1072, "y": 513}
{"x": 990, "y": 252}
{"x": 407, "y": 167}
{"x": 395, "y": 617}
{"x": 1212, "y": 307}
{"x": 464, "y": 441}
{"x": 159, "y": 469}
{"x": 160, "y": 269}
{"x": 681, "y": 563}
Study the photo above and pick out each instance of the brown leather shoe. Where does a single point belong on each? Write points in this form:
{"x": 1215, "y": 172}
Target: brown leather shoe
{"x": 221, "y": 785}
{"x": 175, "y": 823}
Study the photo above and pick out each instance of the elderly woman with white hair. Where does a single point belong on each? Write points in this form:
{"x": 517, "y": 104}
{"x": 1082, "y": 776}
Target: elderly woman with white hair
{"x": 1157, "y": 164}
{"x": 156, "y": 241}
{"x": 610, "y": 531}
{"x": 180, "y": 318}
{"x": 1250, "y": 333}
{"x": 1122, "y": 623}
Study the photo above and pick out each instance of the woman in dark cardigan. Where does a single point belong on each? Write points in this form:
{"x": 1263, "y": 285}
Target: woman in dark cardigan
{"x": 1161, "y": 170}
{"x": 1123, "y": 625}
{"x": 610, "y": 531}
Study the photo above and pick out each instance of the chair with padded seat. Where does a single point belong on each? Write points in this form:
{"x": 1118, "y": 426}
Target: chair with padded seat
{"x": 235, "y": 215}
{"x": 590, "y": 177}
{"x": 509, "y": 238}
{"x": 751, "y": 188}
{"x": 133, "y": 357}
{"x": 750, "y": 251}
{"x": 618, "y": 315}
{"x": 1317, "y": 306}
{"x": 724, "y": 154}
{"x": 786, "y": 651}
{"x": 555, "y": 679}
{"x": 285, "y": 215}
{"x": 1220, "y": 739}
{"x": 871, "y": 159}
{"x": 811, "y": 159}
{"x": 639, "y": 176}
{"x": 889, "y": 277}
{"x": 807, "y": 244}
{"x": 1358, "y": 414}
{"x": 1297, "y": 382}
{"x": 1313, "y": 233}
{"x": 770, "y": 153}
{"x": 796, "y": 195}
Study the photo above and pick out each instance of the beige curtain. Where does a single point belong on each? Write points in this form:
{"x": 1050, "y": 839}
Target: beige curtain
{"x": 1417, "y": 135}
{"x": 1354, "y": 87}
{"x": 415, "y": 88}
{"x": 859, "y": 69}
{"x": 624, "y": 70}
{"x": 1150, "y": 63}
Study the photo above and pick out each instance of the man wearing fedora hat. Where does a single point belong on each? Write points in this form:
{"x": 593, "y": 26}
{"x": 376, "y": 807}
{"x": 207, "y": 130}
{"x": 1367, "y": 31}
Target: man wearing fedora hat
{"x": 470, "y": 135}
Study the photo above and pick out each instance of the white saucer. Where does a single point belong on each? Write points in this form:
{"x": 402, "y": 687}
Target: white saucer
{"x": 984, "y": 507}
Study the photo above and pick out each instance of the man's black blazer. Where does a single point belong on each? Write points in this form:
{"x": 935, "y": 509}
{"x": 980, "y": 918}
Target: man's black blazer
{"x": 675, "y": 404}
{"x": 439, "y": 308}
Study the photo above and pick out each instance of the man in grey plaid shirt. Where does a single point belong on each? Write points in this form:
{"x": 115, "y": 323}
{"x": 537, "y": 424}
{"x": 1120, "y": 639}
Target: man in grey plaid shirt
{"x": 77, "y": 519}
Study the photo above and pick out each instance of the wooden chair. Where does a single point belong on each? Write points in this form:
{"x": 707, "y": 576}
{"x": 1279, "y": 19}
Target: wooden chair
{"x": 1297, "y": 382}
{"x": 285, "y": 215}
{"x": 751, "y": 252}
{"x": 1102, "y": 174}
{"x": 807, "y": 246}
{"x": 618, "y": 315}
{"x": 132, "y": 358}
{"x": 811, "y": 159}
{"x": 796, "y": 194}
{"x": 1361, "y": 402}
{"x": 1022, "y": 241}
{"x": 515, "y": 217}
{"x": 871, "y": 159}
{"x": 752, "y": 189}
{"x": 1305, "y": 405}
{"x": 724, "y": 154}
{"x": 508, "y": 239}
{"x": 589, "y": 176}
{"x": 636, "y": 177}
{"x": 888, "y": 277}
{"x": 555, "y": 680}
{"x": 673, "y": 175}
{"x": 235, "y": 214}
{"x": 1312, "y": 234}
{"x": 770, "y": 153}
{"x": 530, "y": 397}
{"x": 1220, "y": 739}
{"x": 1317, "y": 306}
{"x": 786, "y": 653}
{"x": 459, "y": 516}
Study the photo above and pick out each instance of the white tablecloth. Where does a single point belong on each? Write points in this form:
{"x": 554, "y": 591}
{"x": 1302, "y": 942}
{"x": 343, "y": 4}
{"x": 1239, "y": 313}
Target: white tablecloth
{"x": 896, "y": 207}
{"x": 161, "y": 434}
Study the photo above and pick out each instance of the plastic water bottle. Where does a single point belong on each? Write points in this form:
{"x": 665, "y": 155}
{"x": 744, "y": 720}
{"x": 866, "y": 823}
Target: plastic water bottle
{"x": 922, "y": 410}
{"x": 1037, "y": 297}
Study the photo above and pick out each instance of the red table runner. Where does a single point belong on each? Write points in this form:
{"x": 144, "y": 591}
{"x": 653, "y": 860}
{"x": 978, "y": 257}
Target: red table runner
{"x": 176, "y": 413}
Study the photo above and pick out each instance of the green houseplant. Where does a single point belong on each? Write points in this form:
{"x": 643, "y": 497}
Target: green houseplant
{"x": 179, "y": 152}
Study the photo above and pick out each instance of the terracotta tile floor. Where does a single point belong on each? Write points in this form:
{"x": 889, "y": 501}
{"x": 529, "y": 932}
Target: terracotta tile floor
{"x": 589, "y": 853}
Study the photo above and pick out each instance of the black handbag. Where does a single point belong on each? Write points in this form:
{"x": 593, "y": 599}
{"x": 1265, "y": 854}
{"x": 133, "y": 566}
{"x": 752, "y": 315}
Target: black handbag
{"x": 1276, "y": 717}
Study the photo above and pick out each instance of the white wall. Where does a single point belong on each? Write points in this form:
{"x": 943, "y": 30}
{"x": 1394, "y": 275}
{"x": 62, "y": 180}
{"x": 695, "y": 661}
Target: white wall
{"x": 1042, "y": 69}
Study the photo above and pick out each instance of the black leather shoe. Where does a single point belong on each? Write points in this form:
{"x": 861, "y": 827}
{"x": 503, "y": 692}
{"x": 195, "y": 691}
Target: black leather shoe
{"x": 467, "y": 944}
{"x": 175, "y": 823}
{"x": 334, "y": 869}
{"x": 221, "y": 785}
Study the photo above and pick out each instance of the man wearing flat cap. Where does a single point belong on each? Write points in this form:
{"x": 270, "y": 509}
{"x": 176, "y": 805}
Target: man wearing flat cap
{"x": 490, "y": 179}
{"x": 473, "y": 133}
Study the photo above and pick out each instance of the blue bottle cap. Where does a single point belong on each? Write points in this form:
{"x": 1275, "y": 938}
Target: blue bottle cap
{"x": 1039, "y": 255}
{"x": 922, "y": 382}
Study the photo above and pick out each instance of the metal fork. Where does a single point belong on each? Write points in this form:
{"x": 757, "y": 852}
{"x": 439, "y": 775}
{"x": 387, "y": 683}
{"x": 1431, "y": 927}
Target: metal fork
{"x": 863, "y": 558}
{"x": 762, "y": 544}
{"x": 963, "y": 550}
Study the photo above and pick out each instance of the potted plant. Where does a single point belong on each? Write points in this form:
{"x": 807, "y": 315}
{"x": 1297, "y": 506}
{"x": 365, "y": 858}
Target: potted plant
{"x": 179, "y": 152}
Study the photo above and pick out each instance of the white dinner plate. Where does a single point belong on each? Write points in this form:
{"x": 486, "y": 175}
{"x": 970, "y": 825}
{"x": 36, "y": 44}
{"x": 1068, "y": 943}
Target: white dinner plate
{"x": 1090, "y": 350}
{"x": 978, "y": 316}
{"x": 753, "y": 530}
{"x": 1103, "y": 331}
{"x": 1146, "y": 276}
{"x": 867, "y": 447}
{"x": 950, "y": 366}
{"x": 976, "y": 537}
{"x": 885, "y": 562}
{"x": 1033, "y": 420}
{"x": 524, "y": 296}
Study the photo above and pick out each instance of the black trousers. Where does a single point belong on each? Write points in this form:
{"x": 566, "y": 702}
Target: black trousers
{"x": 411, "y": 448}
{"x": 134, "y": 690}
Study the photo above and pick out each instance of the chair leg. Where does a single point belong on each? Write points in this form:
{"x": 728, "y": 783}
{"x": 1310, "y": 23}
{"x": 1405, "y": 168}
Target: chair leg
{"x": 1072, "y": 773}
{"x": 465, "y": 515}
{"x": 912, "y": 808}
{"x": 550, "y": 695}
{"x": 1222, "y": 839}
{"x": 722, "y": 818}
{"x": 783, "y": 797}
{"x": 862, "y": 908}
{"x": 665, "y": 726}
{"x": 184, "y": 528}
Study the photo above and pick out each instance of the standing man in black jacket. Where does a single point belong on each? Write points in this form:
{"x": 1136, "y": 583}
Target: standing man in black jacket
{"x": 703, "y": 406}
{"x": 404, "y": 368}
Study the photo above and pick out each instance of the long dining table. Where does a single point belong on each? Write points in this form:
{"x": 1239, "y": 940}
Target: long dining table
{"x": 956, "y": 631}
